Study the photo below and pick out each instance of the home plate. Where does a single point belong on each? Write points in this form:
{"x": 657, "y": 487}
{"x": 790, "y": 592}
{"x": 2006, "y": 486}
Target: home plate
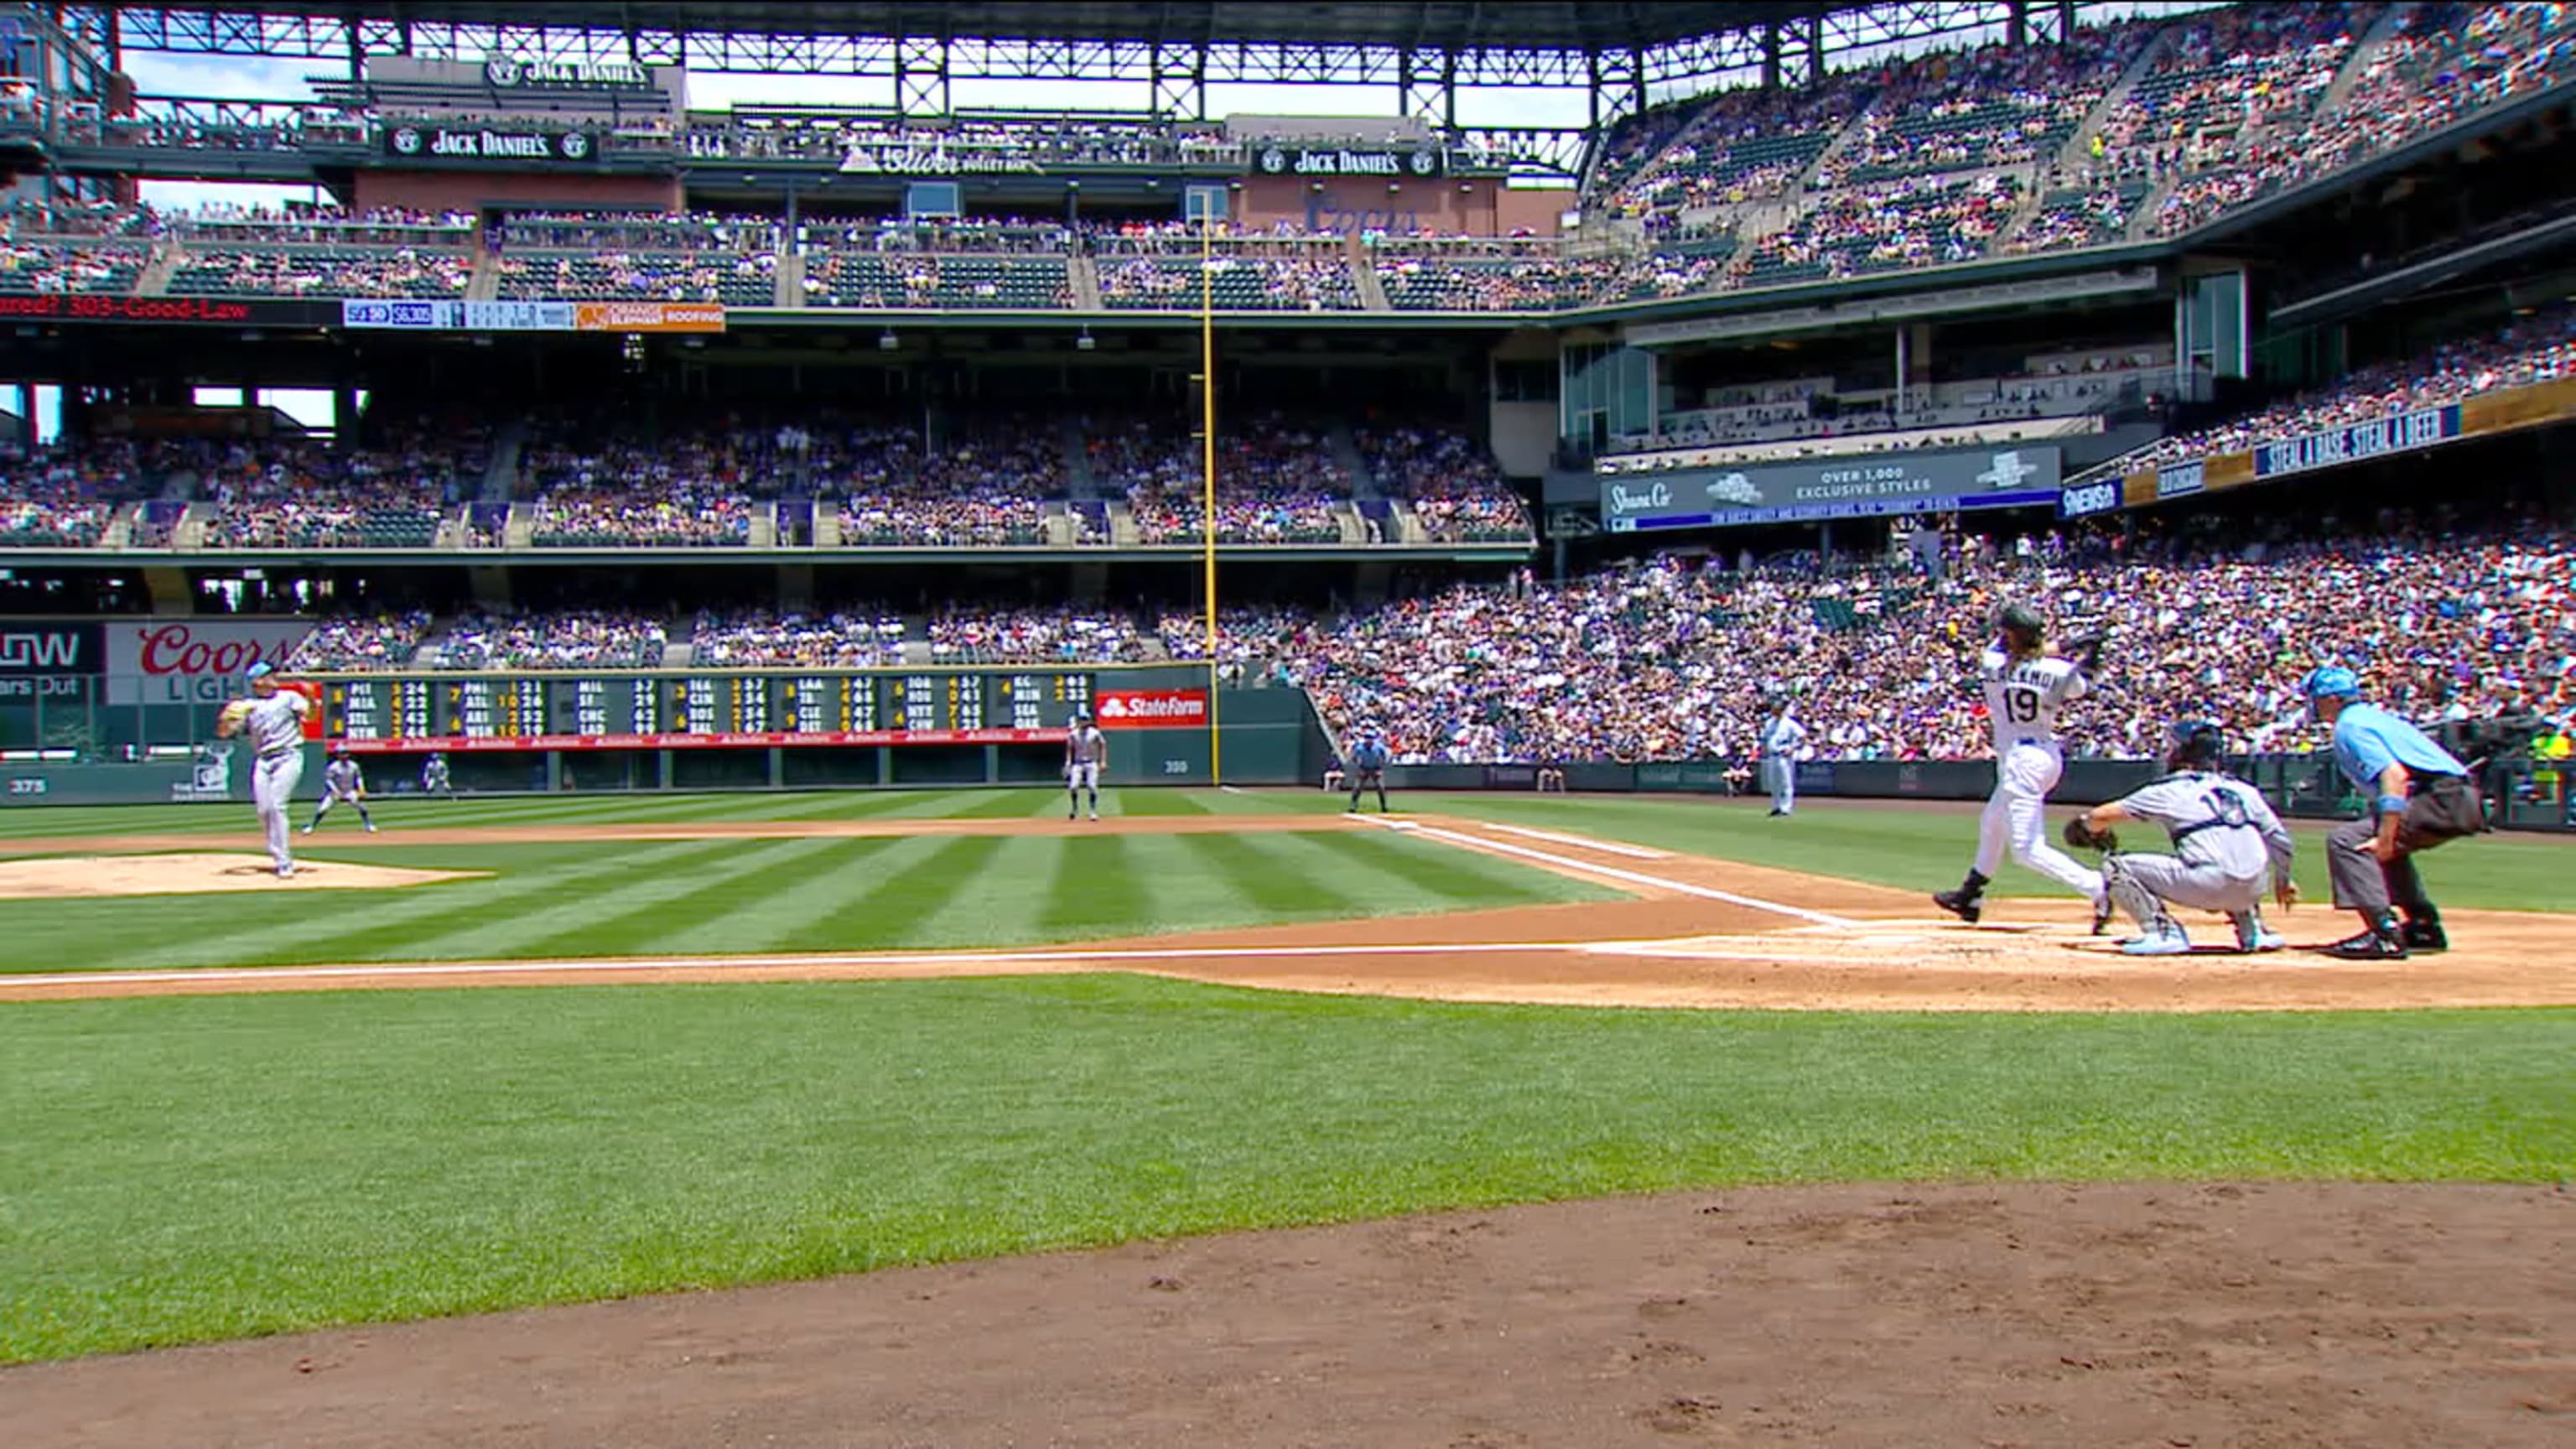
{"x": 66, "y": 876}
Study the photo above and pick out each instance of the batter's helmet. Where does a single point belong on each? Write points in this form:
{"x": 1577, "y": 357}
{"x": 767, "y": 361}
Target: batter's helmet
{"x": 2022, "y": 622}
{"x": 2197, "y": 743}
{"x": 1082, "y": 716}
{"x": 2332, "y": 681}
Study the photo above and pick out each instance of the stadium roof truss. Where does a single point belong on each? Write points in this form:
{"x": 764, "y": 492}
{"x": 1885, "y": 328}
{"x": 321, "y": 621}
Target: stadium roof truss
{"x": 1622, "y": 53}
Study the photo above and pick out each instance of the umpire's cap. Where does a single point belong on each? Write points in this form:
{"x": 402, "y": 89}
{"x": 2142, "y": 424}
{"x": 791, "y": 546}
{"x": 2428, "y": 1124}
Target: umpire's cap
{"x": 2196, "y": 742}
{"x": 2331, "y": 681}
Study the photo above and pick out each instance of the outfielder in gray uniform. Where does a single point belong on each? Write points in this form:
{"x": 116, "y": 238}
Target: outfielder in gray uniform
{"x": 342, "y": 780}
{"x": 273, "y": 721}
{"x": 2228, "y": 848}
{"x": 1780, "y": 745}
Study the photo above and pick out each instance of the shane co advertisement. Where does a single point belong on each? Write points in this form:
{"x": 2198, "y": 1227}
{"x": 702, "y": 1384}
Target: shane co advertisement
{"x": 1862, "y": 485}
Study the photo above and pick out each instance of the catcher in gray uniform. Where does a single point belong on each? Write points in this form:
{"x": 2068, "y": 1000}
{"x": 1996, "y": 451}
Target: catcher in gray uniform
{"x": 2227, "y": 845}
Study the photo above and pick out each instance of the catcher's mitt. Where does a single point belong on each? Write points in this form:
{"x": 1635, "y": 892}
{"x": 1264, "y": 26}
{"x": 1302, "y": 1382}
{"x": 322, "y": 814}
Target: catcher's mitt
{"x": 2083, "y": 836}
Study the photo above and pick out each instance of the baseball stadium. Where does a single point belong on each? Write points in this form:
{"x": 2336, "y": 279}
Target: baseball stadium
{"x": 1411, "y": 724}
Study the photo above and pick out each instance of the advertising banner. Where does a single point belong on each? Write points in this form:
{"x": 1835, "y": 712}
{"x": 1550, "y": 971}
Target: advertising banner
{"x": 2398, "y": 433}
{"x": 35, "y": 650}
{"x": 193, "y": 661}
{"x": 2087, "y": 499}
{"x": 1343, "y": 161}
{"x": 1857, "y": 486}
{"x": 509, "y": 145}
{"x": 648, "y": 317}
{"x": 1152, "y": 709}
{"x": 486, "y": 744}
{"x": 935, "y": 158}
{"x": 186, "y": 311}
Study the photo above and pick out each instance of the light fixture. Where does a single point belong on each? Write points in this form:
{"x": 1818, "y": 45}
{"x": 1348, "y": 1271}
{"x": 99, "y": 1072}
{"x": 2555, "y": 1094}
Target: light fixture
{"x": 886, "y": 341}
{"x": 1084, "y": 342}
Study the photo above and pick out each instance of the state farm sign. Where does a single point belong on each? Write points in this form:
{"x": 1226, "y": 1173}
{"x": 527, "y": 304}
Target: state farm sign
{"x": 183, "y": 661}
{"x": 1153, "y": 709}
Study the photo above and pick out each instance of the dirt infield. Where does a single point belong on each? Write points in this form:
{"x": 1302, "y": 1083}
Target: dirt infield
{"x": 186, "y": 873}
{"x": 2351, "y": 1315}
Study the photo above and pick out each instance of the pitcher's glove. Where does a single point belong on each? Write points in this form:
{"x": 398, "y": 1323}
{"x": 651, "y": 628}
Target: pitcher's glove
{"x": 2081, "y": 835}
{"x": 228, "y": 720}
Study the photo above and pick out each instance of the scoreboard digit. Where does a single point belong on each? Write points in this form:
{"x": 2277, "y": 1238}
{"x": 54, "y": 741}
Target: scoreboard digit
{"x": 859, "y": 703}
{"x": 918, "y": 701}
{"x": 1038, "y": 701}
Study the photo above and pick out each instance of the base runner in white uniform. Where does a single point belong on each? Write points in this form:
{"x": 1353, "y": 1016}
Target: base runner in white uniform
{"x": 2229, "y": 848}
{"x": 1084, "y": 748}
{"x": 2025, "y": 688}
{"x": 272, "y": 720}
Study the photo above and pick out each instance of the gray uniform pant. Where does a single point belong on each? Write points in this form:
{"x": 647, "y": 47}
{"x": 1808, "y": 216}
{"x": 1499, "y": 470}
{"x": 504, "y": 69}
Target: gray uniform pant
{"x": 273, "y": 779}
{"x": 1780, "y": 777}
{"x": 2442, "y": 808}
{"x": 2144, "y": 885}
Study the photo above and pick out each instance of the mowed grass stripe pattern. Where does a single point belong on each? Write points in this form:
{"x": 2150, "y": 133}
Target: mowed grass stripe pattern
{"x": 731, "y": 896}
{"x": 211, "y": 1167}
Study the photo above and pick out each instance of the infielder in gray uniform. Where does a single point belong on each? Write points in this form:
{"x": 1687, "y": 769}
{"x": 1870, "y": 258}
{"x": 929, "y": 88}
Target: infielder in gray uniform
{"x": 2228, "y": 847}
{"x": 272, "y": 720}
{"x": 433, "y": 777}
{"x": 1781, "y": 741}
{"x": 342, "y": 780}
{"x": 1084, "y": 748}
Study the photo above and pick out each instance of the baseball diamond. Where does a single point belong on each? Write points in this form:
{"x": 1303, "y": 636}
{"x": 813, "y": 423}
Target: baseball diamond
{"x": 688, "y": 712}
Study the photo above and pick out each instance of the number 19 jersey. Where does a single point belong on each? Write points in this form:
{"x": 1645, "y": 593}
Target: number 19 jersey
{"x": 2023, "y": 697}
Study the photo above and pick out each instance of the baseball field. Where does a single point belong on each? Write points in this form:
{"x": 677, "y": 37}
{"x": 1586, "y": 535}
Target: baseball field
{"x": 932, "y": 1117}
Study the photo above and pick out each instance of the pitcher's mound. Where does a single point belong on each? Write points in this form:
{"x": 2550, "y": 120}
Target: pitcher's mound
{"x": 181, "y": 875}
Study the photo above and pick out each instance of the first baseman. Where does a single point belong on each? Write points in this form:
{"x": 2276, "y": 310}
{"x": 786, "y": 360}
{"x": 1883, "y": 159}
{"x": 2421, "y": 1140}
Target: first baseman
{"x": 342, "y": 780}
{"x": 2025, "y": 687}
{"x": 433, "y": 777}
{"x": 273, "y": 721}
{"x": 2228, "y": 848}
{"x": 2419, "y": 797}
{"x": 1084, "y": 748}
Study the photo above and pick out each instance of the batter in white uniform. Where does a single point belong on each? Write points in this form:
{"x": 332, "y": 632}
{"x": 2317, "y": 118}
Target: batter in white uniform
{"x": 1084, "y": 748}
{"x": 272, "y": 720}
{"x": 2025, "y": 688}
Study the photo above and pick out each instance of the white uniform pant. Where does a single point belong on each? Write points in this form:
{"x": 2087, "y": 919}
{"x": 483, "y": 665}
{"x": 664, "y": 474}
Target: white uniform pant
{"x": 1780, "y": 777}
{"x": 1085, "y": 776}
{"x": 2145, "y": 884}
{"x": 273, "y": 779}
{"x": 2017, "y": 818}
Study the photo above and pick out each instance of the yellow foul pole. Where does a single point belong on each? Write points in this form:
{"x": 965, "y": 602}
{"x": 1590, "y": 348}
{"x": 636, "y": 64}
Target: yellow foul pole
{"x": 1207, "y": 480}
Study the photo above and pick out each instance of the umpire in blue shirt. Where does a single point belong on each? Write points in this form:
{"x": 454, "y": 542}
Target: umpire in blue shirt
{"x": 1368, "y": 768}
{"x": 2419, "y": 796}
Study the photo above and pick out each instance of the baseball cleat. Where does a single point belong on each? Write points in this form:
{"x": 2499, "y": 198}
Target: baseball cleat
{"x": 1959, "y": 903}
{"x": 308, "y": 830}
{"x": 285, "y": 871}
{"x": 2251, "y": 936}
{"x": 371, "y": 827}
{"x": 2368, "y": 946}
{"x": 2426, "y": 935}
{"x": 2101, "y": 915}
{"x": 2158, "y": 943}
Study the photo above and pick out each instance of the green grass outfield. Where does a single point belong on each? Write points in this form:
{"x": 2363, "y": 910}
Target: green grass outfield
{"x": 192, "y": 1168}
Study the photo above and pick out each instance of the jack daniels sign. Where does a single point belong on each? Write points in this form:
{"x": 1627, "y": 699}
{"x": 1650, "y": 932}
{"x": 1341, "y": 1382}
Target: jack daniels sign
{"x": 504, "y": 144}
{"x": 1344, "y": 161}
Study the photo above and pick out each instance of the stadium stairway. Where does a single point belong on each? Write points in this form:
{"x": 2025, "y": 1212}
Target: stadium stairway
{"x": 1347, "y": 456}
{"x": 1408, "y": 528}
{"x": 1084, "y": 278}
{"x": 1364, "y": 277}
{"x": 501, "y": 470}
{"x": 2077, "y": 152}
{"x": 763, "y": 525}
{"x": 1077, "y": 458}
{"x": 119, "y": 532}
{"x": 2372, "y": 41}
{"x": 790, "y": 290}
{"x": 155, "y": 278}
{"x": 827, "y": 523}
{"x": 521, "y": 530}
{"x": 484, "y": 282}
{"x": 1122, "y": 525}
{"x": 454, "y": 531}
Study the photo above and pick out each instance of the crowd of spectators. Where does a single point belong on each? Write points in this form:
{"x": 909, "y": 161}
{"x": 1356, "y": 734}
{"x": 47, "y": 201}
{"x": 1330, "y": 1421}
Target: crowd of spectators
{"x": 1059, "y": 635}
{"x": 386, "y": 489}
{"x": 1671, "y": 660}
{"x": 1999, "y": 105}
{"x": 580, "y": 639}
{"x": 597, "y": 485}
{"x": 987, "y": 481}
{"x": 1917, "y": 222}
{"x": 62, "y": 496}
{"x": 1276, "y": 480}
{"x": 840, "y": 639}
{"x": 2539, "y": 348}
{"x": 1449, "y": 481}
{"x": 363, "y": 641}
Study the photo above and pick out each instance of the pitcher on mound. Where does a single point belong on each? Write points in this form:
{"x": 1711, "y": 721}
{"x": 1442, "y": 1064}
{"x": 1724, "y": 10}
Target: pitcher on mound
{"x": 2025, "y": 688}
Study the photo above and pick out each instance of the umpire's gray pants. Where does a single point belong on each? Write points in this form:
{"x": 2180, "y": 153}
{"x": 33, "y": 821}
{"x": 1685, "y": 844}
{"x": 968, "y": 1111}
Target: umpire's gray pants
{"x": 2145, "y": 884}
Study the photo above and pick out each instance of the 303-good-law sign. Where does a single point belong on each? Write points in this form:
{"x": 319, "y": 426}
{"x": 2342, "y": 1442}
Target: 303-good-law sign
{"x": 1153, "y": 709}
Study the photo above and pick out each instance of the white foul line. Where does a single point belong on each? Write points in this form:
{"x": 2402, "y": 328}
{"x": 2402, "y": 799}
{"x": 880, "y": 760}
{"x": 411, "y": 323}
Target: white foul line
{"x": 1606, "y": 847}
{"x": 1564, "y": 862}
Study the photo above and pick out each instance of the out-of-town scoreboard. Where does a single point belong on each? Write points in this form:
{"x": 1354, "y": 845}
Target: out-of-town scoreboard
{"x": 383, "y": 713}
